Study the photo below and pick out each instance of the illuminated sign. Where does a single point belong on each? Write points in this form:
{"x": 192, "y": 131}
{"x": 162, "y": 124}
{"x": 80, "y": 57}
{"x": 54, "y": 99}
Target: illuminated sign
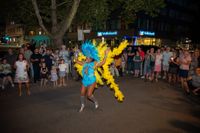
{"x": 107, "y": 33}
{"x": 147, "y": 33}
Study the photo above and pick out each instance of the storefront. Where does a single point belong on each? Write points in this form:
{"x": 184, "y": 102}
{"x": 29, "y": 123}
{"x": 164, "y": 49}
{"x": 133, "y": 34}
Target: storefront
{"x": 147, "y": 38}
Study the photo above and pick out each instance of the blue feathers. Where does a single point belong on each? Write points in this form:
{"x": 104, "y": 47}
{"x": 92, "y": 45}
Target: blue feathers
{"x": 89, "y": 50}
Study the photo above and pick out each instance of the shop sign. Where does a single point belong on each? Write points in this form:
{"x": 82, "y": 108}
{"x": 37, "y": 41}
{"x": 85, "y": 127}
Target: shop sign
{"x": 146, "y": 33}
{"x": 107, "y": 33}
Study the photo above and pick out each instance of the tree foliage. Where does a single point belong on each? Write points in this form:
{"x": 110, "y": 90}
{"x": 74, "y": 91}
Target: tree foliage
{"x": 89, "y": 11}
{"x": 56, "y": 16}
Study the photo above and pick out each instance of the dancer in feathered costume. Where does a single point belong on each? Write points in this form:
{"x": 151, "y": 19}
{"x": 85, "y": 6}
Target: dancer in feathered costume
{"x": 93, "y": 62}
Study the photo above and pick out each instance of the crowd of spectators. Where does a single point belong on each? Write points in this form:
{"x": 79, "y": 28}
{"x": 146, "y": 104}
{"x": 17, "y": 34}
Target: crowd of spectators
{"x": 178, "y": 67}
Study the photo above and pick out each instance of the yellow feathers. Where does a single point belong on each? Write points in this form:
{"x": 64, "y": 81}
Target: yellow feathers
{"x": 105, "y": 72}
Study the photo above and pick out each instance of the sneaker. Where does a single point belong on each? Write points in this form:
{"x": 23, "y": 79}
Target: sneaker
{"x": 142, "y": 77}
{"x": 96, "y": 105}
{"x": 82, "y": 107}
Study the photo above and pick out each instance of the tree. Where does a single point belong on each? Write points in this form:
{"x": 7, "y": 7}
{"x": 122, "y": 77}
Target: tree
{"x": 56, "y": 16}
{"x": 58, "y": 29}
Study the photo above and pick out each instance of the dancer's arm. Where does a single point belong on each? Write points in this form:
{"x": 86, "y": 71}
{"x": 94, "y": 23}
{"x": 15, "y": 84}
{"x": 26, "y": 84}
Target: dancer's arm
{"x": 104, "y": 59}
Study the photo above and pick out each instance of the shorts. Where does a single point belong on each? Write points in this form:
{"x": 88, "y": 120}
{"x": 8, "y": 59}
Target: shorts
{"x": 62, "y": 74}
{"x": 165, "y": 68}
{"x": 173, "y": 70}
{"x": 44, "y": 76}
{"x": 157, "y": 68}
{"x": 183, "y": 73}
{"x": 6, "y": 75}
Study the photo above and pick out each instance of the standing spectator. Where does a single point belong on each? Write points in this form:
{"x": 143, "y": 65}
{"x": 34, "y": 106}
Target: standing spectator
{"x": 194, "y": 62}
{"x": 64, "y": 54}
{"x": 48, "y": 59}
{"x": 21, "y": 76}
{"x": 158, "y": 63}
{"x": 142, "y": 55}
{"x": 54, "y": 76}
{"x": 62, "y": 72}
{"x": 6, "y": 73}
{"x": 27, "y": 55}
{"x": 124, "y": 60}
{"x": 11, "y": 57}
{"x": 137, "y": 59}
{"x": 130, "y": 55}
{"x": 42, "y": 49}
{"x": 184, "y": 61}
{"x": 44, "y": 74}
{"x": 118, "y": 64}
{"x": 166, "y": 58}
{"x": 21, "y": 50}
{"x": 173, "y": 68}
{"x": 55, "y": 56}
{"x": 152, "y": 63}
{"x": 35, "y": 59}
{"x": 147, "y": 67}
{"x": 76, "y": 52}
{"x": 70, "y": 59}
{"x": 114, "y": 70}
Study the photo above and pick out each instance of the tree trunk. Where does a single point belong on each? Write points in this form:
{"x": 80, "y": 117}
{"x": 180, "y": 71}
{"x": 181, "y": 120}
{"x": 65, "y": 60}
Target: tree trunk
{"x": 57, "y": 41}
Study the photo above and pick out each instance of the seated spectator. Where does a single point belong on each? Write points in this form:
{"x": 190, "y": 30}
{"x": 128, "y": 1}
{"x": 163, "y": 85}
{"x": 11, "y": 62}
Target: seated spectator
{"x": 6, "y": 73}
{"x": 194, "y": 81}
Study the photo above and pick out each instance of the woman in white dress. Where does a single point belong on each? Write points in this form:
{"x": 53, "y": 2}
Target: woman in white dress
{"x": 21, "y": 76}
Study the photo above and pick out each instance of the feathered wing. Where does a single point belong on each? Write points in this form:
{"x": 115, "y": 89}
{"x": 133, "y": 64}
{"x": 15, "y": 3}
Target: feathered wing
{"x": 106, "y": 71}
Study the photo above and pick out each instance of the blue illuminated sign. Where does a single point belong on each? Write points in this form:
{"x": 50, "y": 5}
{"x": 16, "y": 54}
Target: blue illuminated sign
{"x": 147, "y": 33}
{"x": 107, "y": 33}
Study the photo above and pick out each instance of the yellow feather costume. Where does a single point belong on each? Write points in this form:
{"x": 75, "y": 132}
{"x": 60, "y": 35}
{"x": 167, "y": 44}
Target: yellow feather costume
{"x": 104, "y": 70}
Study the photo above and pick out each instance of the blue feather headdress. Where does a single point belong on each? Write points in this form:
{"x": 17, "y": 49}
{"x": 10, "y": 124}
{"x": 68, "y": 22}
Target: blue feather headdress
{"x": 89, "y": 50}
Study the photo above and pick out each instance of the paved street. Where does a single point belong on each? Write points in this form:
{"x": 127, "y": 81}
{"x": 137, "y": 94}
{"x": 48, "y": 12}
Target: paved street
{"x": 148, "y": 108}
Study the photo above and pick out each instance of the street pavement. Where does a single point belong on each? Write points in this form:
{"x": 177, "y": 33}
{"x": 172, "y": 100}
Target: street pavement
{"x": 147, "y": 108}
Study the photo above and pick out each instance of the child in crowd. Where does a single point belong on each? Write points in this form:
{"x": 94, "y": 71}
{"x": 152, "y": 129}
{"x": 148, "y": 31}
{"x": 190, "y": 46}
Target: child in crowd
{"x": 44, "y": 74}
{"x": 137, "y": 62}
{"x": 62, "y": 72}
{"x": 6, "y": 73}
{"x": 114, "y": 70}
{"x": 54, "y": 76}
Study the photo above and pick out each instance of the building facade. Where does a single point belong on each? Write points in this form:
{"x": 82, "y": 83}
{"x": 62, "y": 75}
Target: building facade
{"x": 172, "y": 24}
{"x": 15, "y": 32}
